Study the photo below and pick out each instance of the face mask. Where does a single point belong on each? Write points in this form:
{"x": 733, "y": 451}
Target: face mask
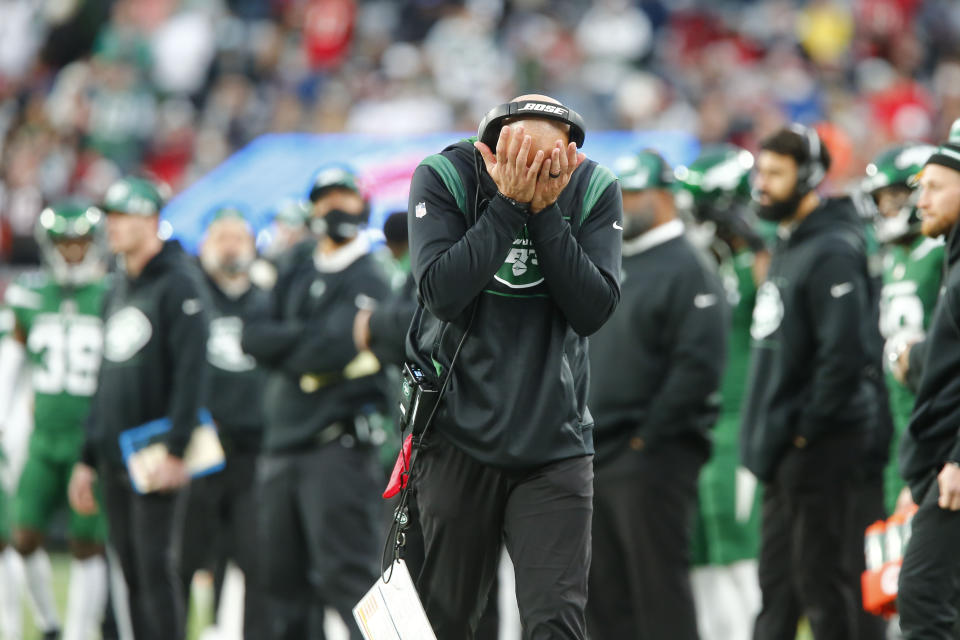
{"x": 637, "y": 223}
{"x": 338, "y": 225}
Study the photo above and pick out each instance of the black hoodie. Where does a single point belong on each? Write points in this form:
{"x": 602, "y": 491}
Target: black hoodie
{"x": 543, "y": 283}
{"x": 813, "y": 342}
{"x": 656, "y": 366}
{"x": 933, "y": 436}
{"x": 154, "y": 347}
{"x": 317, "y": 377}
{"x": 236, "y": 382}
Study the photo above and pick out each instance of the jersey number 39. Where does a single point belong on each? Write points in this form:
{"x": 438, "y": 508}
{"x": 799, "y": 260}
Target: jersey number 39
{"x": 69, "y": 352}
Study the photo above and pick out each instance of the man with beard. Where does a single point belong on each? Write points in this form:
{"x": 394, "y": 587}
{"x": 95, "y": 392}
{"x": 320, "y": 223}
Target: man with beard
{"x": 912, "y": 270}
{"x": 319, "y": 479}
{"x": 930, "y": 449}
{"x": 811, "y": 402}
{"x": 216, "y": 515}
{"x": 656, "y": 369}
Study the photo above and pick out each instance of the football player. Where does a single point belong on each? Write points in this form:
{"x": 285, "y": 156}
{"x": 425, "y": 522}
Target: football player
{"x": 715, "y": 191}
{"x": 57, "y": 321}
{"x": 912, "y": 270}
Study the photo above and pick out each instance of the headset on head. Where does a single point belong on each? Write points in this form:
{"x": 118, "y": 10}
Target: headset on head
{"x": 490, "y": 126}
{"x": 812, "y": 172}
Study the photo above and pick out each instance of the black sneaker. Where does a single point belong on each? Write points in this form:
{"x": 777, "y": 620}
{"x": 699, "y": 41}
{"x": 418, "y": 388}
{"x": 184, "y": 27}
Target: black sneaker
{"x": 53, "y": 634}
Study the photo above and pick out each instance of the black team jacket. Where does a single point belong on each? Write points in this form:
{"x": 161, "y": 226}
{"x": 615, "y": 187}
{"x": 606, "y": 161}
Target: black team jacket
{"x": 542, "y": 284}
{"x": 317, "y": 378}
{"x": 656, "y": 365}
{"x": 155, "y": 334}
{"x": 236, "y": 383}
{"x": 813, "y": 346}
{"x": 933, "y": 436}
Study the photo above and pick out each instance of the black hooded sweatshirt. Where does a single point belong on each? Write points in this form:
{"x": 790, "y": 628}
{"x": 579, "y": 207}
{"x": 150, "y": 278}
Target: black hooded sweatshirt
{"x": 933, "y": 436}
{"x": 656, "y": 366}
{"x": 543, "y": 283}
{"x": 813, "y": 342}
{"x": 154, "y": 364}
{"x": 235, "y": 398}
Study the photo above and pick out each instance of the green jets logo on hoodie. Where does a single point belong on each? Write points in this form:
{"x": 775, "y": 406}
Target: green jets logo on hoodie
{"x": 520, "y": 270}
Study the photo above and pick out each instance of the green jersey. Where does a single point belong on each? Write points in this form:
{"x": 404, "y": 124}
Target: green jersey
{"x": 727, "y": 528}
{"x": 64, "y": 341}
{"x": 911, "y": 284}
{"x": 736, "y": 274}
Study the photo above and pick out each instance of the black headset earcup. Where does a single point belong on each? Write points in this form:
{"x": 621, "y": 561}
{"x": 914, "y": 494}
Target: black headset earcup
{"x": 489, "y": 129}
{"x": 812, "y": 173}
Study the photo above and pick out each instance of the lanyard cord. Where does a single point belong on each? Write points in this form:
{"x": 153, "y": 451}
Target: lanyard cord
{"x": 396, "y": 536}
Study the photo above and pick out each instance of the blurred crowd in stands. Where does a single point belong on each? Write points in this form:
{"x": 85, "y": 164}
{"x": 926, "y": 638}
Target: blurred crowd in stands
{"x": 92, "y": 89}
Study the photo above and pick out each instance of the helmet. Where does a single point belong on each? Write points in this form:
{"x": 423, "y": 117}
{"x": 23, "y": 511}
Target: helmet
{"x": 133, "y": 196}
{"x": 644, "y": 170}
{"x": 292, "y": 212}
{"x": 896, "y": 167}
{"x": 715, "y": 191}
{"x": 72, "y": 220}
{"x": 718, "y": 179}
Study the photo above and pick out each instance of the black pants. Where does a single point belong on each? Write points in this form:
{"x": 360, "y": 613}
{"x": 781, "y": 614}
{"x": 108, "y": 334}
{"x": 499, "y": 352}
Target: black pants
{"x": 321, "y": 537}
{"x": 216, "y": 521}
{"x": 469, "y": 510}
{"x": 930, "y": 575}
{"x": 643, "y": 519}
{"x": 489, "y": 626}
{"x": 808, "y": 532}
{"x": 141, "y": 532}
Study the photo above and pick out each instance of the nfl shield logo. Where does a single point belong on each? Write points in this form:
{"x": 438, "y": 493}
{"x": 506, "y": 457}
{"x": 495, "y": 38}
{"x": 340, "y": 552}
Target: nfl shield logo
{"x": 421, "y": 209}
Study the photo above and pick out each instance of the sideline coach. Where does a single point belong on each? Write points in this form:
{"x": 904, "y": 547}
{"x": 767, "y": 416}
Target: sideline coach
{"x": 522, "y": 224}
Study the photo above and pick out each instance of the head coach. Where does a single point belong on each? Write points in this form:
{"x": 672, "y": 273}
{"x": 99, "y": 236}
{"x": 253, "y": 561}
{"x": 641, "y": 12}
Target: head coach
{"x": 515, "y": 248}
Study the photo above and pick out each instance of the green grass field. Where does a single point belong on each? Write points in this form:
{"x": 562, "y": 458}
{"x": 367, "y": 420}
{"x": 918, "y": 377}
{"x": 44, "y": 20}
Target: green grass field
{"x": 200, "y": 616}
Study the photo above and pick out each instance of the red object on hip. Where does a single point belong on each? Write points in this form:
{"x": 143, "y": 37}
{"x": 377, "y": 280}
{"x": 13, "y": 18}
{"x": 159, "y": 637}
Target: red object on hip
{"x": 401, "y": 469}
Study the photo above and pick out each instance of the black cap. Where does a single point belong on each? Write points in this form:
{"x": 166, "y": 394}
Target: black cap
{"x": 947, "y": 155}
{"x": 334, "y": 176}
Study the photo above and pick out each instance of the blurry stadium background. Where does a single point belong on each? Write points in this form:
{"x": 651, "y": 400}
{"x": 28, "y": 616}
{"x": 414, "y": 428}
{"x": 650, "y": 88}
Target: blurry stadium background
{"x": 91, "y": 89}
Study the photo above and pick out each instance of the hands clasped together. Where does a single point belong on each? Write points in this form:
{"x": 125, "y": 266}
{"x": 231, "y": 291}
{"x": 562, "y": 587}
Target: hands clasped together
{"x": 538, "y": 179}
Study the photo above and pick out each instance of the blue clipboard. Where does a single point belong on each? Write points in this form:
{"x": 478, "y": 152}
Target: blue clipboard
{"x": 136, "y": 439}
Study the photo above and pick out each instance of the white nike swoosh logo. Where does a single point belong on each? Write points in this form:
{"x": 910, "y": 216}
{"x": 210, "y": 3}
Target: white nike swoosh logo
{"x": 704, "y": 300}
{"x": 617, "y": 226}
{"x": 842, "y": 289}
